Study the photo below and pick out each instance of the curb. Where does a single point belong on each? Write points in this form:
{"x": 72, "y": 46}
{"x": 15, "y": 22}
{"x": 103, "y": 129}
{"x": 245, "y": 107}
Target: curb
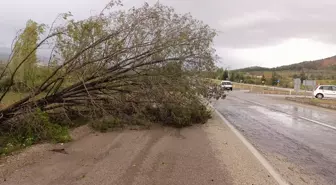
{"x": 277, "y": 177}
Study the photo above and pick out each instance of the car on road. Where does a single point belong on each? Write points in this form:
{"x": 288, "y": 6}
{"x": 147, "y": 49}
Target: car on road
{"x": 325, "y": 91}
{"x": 226, "y": 85}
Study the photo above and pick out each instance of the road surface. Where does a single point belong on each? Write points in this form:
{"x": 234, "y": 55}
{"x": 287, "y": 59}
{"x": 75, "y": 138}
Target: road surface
{"x": 298, "y": 140}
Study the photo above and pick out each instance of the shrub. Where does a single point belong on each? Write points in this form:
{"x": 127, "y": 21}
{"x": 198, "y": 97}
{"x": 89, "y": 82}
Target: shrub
{"x": 34, "y": 128}
{"x": 177, "y": 110}
{"x": 39, "y": 126}
{"x": 180, "y": 115}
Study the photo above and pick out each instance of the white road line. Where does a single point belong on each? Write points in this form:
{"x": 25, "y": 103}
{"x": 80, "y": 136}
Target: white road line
{"x": 254, "y": 151}
{"x": 301, "y": 117}
{"x": 317, "y": 122}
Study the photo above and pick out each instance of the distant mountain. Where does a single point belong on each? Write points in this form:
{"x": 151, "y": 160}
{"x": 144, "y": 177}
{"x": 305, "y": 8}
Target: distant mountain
{"x": 326, "y": 63}
{"x": 253, "y": 68}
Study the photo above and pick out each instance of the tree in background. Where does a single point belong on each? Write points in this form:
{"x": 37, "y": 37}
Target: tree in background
{"x": 263, "y": 79}
{"x": 312, "y": 76}
{"x": 320, "y": 77}
{"x": 303, "y": 76}
{"x": 232, "y": 76}
{"x": 249, "y": 80}
{"x": 239, "y": 77}
{"x": 225, "y": 75}
{"x": 274, "y": 78}
{"x": 295, "y": 76}
{"x": 219, "y": 73}
{"x": 24, "y": 49}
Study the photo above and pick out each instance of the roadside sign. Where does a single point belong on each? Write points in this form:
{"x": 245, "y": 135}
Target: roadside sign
{"x": 311, "y": 83}
{"x": 297, "y": 84}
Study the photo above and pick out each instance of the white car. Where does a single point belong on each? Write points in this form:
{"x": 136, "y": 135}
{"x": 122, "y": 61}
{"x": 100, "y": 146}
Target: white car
{"x": 226, "y": 85}
{"x": 325, "y": 91}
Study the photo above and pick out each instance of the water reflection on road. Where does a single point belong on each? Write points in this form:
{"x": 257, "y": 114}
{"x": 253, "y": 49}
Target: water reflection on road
{"x": 282, "y": 132}
{"x": 280, "y": 117}
{"x": 319, "y": 114}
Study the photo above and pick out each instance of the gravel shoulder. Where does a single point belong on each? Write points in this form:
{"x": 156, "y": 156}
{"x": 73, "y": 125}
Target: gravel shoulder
{"x": 204, "y": 154}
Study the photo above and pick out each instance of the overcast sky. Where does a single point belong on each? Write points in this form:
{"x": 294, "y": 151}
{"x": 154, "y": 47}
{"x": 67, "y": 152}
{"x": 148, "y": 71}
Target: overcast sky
{"x": 252, "y": 32}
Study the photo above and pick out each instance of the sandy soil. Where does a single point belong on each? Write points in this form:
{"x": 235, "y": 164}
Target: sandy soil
{"x": 198, "y": 155}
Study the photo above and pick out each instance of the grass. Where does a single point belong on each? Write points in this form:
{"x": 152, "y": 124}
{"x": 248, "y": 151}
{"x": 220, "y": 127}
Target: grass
{"x": 35, "y": 128}
{"x": 326, "y": 82}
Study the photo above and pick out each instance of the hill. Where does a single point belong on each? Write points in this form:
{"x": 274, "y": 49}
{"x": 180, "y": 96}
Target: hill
{"x": 323, "y": 70}
{"x": 322, "y": 64}
{"x": 253, "y": 68}
{"x": 326, "y": 63}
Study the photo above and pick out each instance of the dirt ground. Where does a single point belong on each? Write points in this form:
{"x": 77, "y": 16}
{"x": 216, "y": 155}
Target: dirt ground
{"x": 198, "y": 155}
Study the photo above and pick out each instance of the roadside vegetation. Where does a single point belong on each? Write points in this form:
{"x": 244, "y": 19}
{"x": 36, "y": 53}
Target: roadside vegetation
{"x": 323, "y": 71}
{"x": 135, "y": 67}
{"x": 271, "y": 77}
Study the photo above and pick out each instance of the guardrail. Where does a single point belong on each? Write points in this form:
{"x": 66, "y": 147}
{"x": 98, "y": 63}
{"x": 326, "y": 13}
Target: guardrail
{"x": 272, "y": 88}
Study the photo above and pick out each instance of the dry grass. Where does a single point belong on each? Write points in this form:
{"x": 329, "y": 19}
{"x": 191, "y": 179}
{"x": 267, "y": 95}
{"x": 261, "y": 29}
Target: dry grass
{"x": 326, "y": 82}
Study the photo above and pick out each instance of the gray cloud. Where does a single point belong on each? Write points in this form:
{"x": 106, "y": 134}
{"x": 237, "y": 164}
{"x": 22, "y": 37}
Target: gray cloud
{"x": 245, "y": 23}
{"x": 241, "y": 23}
{"x": 227, "y": 61}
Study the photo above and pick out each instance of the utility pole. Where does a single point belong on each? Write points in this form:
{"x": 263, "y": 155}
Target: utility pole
{"x": 228, "y": 70}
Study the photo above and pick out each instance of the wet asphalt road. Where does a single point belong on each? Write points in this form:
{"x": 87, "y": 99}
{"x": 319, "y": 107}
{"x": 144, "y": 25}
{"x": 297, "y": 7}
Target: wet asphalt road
{"x": 274, "y": 127}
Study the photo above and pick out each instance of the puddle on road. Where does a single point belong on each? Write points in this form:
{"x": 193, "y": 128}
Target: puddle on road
{"x": 301, "y": 130}
{"x": 306, "y": 112}
{"x": 280, "y": 117}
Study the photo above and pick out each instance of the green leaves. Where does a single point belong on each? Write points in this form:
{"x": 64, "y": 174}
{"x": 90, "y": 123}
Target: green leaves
{"x": 146, "y": 54}
{"x": 24, "y": 47}
{"x": 65, "y": 16}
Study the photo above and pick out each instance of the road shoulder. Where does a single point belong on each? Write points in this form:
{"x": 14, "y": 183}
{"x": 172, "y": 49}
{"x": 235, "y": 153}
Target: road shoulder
{"x": 241, "y": 163}
{"x": 203, "y": 154}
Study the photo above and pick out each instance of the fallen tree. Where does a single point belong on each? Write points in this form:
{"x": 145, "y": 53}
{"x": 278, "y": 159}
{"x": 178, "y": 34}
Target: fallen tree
{"x": 143, "y": 63}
